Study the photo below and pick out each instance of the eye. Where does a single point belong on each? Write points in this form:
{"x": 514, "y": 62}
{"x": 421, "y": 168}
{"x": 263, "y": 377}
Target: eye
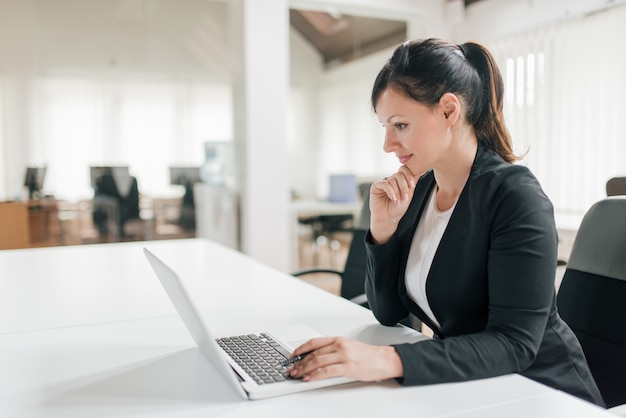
{"x": 400, "y": 126}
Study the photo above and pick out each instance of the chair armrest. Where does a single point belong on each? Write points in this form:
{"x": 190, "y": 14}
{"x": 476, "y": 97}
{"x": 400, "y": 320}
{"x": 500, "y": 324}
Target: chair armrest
{"x": 316, "y": 270}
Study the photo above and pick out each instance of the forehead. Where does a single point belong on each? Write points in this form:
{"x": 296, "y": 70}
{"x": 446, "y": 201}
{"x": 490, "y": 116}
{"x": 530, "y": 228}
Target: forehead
{"x": 392, "y": 103}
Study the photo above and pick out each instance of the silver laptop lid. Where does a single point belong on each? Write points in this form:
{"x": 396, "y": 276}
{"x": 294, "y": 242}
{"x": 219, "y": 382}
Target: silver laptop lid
{"x": 192, "y": 319}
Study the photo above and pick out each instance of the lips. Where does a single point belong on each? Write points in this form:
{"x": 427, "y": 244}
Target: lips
{"x": 404, "y": 158}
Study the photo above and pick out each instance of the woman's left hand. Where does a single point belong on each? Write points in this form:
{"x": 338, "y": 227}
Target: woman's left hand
{"x": 340, "y": 356}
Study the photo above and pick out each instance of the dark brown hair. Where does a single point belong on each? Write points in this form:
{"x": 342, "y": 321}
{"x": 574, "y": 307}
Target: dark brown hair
{"x": 424, "y": 70}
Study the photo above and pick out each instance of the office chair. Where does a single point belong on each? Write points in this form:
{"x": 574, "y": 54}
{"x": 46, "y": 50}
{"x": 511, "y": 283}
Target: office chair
{"x": 112, "y": 207}
{"x": 343, "y": 188}
{"x": 324, "y": 230}
{"x": 616, "y": 186}
{"x": 353, "y": 274}
{"x": 592, "y": 295}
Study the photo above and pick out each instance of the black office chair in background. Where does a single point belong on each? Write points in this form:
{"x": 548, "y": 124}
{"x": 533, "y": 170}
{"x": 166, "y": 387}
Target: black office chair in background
{"x": 326, "y": 228}
{"x": 616, "y": 186}
{"x": 353, "y": 274}
{"x": 112, "y": 207}
{"x": 592, "y": 295}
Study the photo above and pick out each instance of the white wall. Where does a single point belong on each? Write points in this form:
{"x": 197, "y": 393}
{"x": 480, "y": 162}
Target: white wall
{"x": 261, "y": 132}
{"x": 351, "y": 136}
{"x": 303, "y": 133}
{"x": 332, "y": 128}
{"x": 490, "y": 20}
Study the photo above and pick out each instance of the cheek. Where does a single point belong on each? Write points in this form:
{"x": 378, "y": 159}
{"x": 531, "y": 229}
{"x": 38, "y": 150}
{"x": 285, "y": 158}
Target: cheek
{"x": 415, "y": 138}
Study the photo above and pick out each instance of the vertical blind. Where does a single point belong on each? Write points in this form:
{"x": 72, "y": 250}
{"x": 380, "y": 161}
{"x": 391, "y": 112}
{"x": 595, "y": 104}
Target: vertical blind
{"x": 565, "y": 88}
{"x": 147, "y": 124}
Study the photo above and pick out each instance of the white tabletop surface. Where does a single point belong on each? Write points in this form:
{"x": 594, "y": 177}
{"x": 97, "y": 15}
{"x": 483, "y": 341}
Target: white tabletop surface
{"x": 89, "y": 332}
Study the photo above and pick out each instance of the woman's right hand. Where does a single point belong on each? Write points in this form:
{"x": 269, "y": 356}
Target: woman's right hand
{"x": 389, "y": 201}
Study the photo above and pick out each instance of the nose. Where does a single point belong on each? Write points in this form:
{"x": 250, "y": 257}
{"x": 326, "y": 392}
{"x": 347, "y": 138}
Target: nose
{"x": 390, "y": 142}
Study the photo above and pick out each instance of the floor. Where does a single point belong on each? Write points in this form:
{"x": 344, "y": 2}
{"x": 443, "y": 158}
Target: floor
{"x": 330, "y": 254}
{"x": 159, "y": 221}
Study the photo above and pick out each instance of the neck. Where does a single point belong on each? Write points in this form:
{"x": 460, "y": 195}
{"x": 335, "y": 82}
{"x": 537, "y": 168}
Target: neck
{"x": 452, "y": 173}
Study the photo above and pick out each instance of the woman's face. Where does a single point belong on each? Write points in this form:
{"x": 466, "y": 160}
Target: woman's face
{"x": 414, "y": 132}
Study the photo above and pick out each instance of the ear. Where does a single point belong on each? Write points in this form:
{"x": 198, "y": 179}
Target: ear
{"x": 450, "y": 107}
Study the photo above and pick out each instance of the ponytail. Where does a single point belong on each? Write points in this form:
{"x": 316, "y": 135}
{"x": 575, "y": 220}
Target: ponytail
{"x": 489, "y": 117}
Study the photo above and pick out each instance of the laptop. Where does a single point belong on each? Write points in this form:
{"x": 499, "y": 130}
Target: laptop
{"x": 246, "y": 379}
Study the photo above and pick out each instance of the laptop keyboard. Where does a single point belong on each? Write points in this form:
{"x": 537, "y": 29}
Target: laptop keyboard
{"x": 258, "y": 355}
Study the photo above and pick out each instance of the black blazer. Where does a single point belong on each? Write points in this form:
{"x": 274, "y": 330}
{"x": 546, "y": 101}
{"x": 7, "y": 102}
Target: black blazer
{"x": 490, "y": 286}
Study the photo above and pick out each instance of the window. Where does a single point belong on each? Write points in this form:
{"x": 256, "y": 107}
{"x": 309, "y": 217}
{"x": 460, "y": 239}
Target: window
{"x": 564, "y": 101}
{"x": 147, "y": 125}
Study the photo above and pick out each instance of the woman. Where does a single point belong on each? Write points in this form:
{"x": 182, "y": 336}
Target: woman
{"x": 459, "y": 236}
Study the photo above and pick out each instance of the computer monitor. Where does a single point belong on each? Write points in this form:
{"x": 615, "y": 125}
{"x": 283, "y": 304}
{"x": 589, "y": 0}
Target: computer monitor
{"x": 34, "y": 180}
{"x": 184, "y": 175}
{"x": 120, "y": 173}
{"x": 97, "y": 171}
{"x": 343, "y": 188}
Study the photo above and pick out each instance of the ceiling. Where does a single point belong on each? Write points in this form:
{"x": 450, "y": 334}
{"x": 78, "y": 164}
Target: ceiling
{"x": 341, "y": 38}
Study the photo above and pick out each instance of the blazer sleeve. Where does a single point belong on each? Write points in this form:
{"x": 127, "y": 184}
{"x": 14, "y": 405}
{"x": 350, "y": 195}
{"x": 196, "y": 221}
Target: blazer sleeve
{"x": 386, "y": 262}
{"x": 381, "y": 281}
{"x": 520, "y": 269}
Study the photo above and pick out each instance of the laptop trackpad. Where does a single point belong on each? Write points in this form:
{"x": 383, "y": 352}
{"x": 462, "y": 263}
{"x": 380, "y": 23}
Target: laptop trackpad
{"x": 293, "y": 336}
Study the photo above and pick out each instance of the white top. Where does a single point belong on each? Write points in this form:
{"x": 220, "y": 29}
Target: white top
{"x": 426, "y": 240}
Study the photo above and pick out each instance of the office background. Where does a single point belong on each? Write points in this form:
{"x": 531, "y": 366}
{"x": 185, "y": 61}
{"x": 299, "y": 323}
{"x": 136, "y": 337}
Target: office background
{"x": 147, "y": 82}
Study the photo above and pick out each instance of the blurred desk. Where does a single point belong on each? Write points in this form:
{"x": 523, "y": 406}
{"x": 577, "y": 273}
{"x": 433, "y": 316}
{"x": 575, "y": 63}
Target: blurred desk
{"x": 34, "y": 223}
{"x": 307, "y": 208}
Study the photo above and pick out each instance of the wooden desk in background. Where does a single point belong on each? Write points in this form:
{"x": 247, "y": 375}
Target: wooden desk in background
{"x": 34, "y": 223}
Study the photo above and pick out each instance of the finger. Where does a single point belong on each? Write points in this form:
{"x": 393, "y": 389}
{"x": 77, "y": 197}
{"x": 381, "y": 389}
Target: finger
{"x": 406, "y": 183}
{"x": 312, "y": 345}
{"x": 317, "y": 359}
{"x": 388, "y": 185}
{"x": 408, "y": 174}
{"x": 326, "y": 372}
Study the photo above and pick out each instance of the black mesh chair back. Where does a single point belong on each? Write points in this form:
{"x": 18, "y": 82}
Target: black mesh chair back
{"x": 353, "y": 276}
{"x": 616, "y": 186}
{"x": 592, "y": 296}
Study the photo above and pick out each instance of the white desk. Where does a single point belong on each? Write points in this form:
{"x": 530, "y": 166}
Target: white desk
{"x": 90, "y": 333}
